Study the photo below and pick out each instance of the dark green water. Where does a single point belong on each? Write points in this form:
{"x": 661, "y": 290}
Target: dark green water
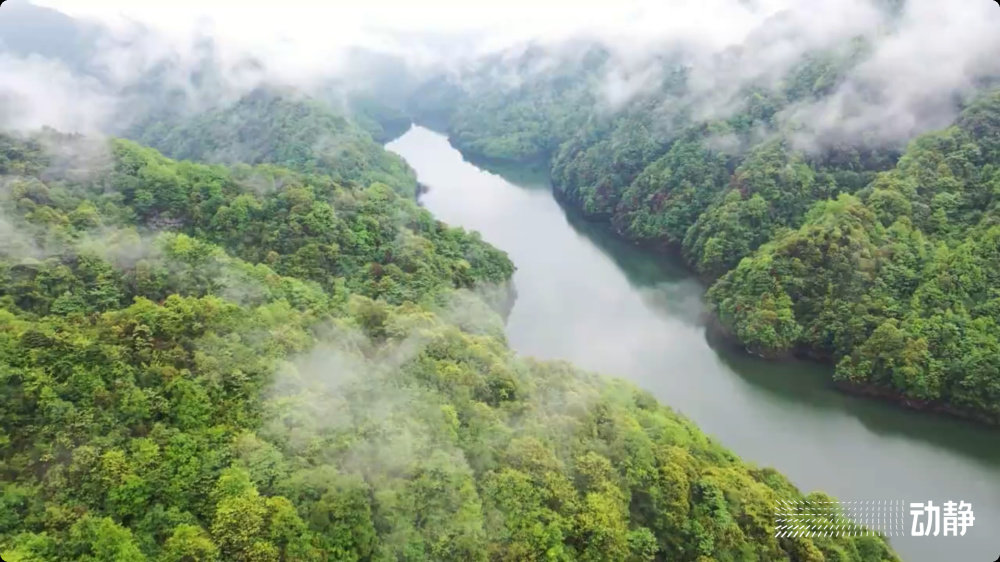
{"x": 599, "y": 302}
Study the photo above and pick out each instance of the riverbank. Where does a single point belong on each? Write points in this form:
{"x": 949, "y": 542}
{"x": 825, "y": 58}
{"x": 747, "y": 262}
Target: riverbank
{"x": 593, "y": 299}
{"x": 926, "y": 406}
{"x": 721, "y": 336}
{"x": 671, "y": 250}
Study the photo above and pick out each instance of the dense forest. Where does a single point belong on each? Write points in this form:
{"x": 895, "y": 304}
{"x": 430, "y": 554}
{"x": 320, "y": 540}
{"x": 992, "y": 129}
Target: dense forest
{"x": 877, "y": 256}
{"x": 251, "y": 362}
{"x": 280, "y": 356}
{"x": 284, "y": 128}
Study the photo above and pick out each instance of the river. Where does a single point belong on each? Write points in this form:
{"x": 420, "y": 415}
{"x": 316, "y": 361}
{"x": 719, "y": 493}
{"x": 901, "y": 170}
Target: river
{"x": 599, "y": 302}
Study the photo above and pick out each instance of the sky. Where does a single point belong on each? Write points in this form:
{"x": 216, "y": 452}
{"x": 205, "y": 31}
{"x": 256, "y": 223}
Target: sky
{"x": 300, "y": 40}
{"x": 326, "y": 25}
{"x": 312, "y": 18}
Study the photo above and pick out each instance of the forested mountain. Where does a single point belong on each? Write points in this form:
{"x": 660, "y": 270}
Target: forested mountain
{"x": 249, "y": 363}
{"x": 384, "y": 122}
{"x": 900, "y": 283}
{"x": 30, "y": 30}
{"x": 518, "y": 107}
{"x": 272, "y": 126}
{"x": 844, "y": 245}
{"x": 163, "y": 93}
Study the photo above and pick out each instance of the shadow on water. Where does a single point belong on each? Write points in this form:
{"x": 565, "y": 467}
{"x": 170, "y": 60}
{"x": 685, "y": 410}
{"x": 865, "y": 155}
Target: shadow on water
{"x": 532, "y": 176}
{"x": 664, "y": 281}
{"x": 642, "y": 271}
{"x": 802, "y": 383}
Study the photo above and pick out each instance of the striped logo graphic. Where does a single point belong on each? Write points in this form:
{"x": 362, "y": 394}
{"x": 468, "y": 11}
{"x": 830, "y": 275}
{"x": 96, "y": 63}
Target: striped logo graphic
{"x": 840, "y": 518}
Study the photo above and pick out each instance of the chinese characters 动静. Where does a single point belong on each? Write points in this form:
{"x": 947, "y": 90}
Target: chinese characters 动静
{"x": 953, "y": 520}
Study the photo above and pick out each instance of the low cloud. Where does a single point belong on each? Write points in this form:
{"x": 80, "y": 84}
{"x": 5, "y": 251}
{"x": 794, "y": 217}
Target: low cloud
{"x": 916, "y": 77}
{"x": 37, "y": 92}
{"x": 924, "y": 56}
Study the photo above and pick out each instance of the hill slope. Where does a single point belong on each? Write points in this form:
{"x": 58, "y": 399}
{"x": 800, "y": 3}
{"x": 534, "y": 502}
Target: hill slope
{"x": 202, "y": 363}
{"x": 279, "y": 127}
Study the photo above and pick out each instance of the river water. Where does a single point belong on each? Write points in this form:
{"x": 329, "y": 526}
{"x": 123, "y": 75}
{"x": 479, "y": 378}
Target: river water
{"x": 590, "y": 298}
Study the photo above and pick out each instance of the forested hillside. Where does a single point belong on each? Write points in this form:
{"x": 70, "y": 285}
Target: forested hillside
{"x": 202, "y": 363}
{"x": 517, "y": 110}
{"x": 382, "y": 121}
{"x": 132, "y": 81}
{"x": 845, "y": 246}
{"x": 899, "y": 283}
{"x": 279, "y": 127}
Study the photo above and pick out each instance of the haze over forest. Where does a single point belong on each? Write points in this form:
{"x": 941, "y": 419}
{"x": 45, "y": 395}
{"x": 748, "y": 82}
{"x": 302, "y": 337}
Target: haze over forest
{"x": 228, "y": 330}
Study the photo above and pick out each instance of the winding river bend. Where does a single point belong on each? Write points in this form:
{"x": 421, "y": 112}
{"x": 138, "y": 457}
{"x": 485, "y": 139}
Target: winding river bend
{"x": 599, "y": 302}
